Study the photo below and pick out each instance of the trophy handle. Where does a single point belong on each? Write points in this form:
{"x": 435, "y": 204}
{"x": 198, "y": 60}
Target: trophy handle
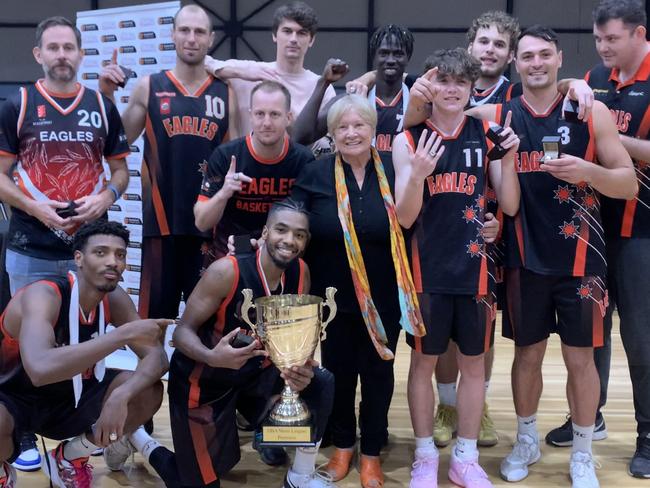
{"x": 245, "y": 308}
{"x": 330, "y": 291}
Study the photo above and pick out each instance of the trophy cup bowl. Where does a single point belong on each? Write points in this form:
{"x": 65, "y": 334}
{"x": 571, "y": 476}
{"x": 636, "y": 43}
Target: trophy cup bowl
{"x": 289, "y": 327}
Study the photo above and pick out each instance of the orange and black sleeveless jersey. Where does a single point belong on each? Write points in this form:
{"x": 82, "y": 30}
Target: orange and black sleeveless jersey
{"x": 181, "y": 131}
{"x": 503, "y": 91}
{"x": 59, "y": 142}
{"x": 12, "y": 373}
{"x": 629, "y": 103}
{"x": 228, "y": 317}
{"x": 558, "y": 229}
{"x": 246, "y": 211}
{"x": 390, "y": 121}
{"x": 448, "y": 254}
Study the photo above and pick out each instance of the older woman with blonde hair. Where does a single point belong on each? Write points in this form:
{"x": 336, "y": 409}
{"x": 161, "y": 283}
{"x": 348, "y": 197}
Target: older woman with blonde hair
{"x": 357, "y": 246}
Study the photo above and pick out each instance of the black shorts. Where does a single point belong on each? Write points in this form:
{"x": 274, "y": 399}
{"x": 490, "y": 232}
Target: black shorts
{"x": 205, "y": 436}
{"x": 55, "y": 416}
{"x": 171, "y": 268}
{"x": 538, "y": 305}
{"x": 467, "y": 320}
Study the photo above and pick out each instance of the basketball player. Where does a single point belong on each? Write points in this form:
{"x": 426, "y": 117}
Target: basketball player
{"x": 294, "y": 32}
{"x": 440, "y": 193}
{"x": 492, "y": 38}
{"x": 57, "y": 132}
{"x": 208, "y": 374}
{"x": 185, "y": 114}
{"x": 52, "y": 375}
{"x": 622, "y": 83}
{"x": 391, "y": 47}
{"x": 246, "y": 176}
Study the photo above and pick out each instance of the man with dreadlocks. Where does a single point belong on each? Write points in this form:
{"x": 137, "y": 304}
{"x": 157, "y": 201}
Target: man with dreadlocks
{"x": 391, "y": 47}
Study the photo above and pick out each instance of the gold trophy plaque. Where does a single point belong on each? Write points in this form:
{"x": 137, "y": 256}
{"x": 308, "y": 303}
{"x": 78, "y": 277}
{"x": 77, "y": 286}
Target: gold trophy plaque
{"x": 289, "y": 327}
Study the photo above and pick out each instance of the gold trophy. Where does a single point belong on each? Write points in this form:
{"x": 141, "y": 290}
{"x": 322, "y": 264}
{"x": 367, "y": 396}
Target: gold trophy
{"x": 289, "y": 327}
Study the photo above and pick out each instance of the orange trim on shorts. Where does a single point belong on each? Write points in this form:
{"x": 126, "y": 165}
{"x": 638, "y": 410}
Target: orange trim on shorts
{"x": 628, "y": 218}
{"x": 483, "y": 274}
{"x": 580, "y": 261}
{"x": 598, "y": 335}
{"x": 488, "y": 326}
{"x": 520, "y": 237}
{"x": 201, "y": 450}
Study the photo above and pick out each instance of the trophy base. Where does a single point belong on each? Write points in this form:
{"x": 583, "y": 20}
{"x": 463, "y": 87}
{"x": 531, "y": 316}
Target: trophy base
{"x": 274, "y": 435}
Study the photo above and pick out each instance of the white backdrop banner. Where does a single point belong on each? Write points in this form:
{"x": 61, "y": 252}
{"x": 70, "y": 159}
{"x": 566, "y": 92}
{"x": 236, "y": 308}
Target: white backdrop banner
{"x": 142, "y": 36}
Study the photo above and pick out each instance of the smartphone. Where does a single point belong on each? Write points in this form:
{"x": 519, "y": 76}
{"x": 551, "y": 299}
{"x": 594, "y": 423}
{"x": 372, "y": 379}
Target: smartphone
{"x": 68, "y": 211}
{"x": 128, "y": 73}
{"x": 242, "y": 340}
{"x": 243, "y": 244}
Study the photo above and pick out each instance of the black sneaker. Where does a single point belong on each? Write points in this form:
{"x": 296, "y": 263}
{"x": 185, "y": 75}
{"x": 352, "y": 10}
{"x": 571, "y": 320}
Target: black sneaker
{"x": 273, "y": 456}
{"x": 639, "y": 466}
{"x": 562, "y": 436}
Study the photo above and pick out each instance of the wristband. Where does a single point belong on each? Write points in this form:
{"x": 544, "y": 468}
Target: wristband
{"x": 113, "y": 190}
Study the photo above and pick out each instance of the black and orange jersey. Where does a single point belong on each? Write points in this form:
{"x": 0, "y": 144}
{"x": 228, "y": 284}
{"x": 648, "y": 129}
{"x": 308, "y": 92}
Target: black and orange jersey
{"x": 503, "y": 91}
{"x": 181, "y": 131}
{"x": 59, "y": 142}
{"x": 12, "y": 372}
{"x": 448, "y": 254}
{"x": 390, "y": 120}
{"x": 558, "y": 229}
{"x": 248, "y": 274}
{"x": 246, "y": 211}
{"x": 629, "y": 103}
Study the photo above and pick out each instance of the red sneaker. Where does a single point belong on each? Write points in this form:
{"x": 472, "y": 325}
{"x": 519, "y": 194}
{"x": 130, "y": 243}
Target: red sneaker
{"x": 67, "y": 474}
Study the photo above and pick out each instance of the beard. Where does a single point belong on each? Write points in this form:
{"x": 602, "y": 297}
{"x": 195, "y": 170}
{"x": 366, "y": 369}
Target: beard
{"x": 66, "y": 75}
{"x": 107, "y": 288}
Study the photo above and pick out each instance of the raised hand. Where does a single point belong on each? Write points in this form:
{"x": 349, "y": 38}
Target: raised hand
{"x": 426, "y": 155}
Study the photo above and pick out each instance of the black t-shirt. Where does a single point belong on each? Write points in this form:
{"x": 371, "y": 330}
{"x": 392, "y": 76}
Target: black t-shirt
{"x": 59, "y": 143}
{"x": 326, "y": 255}
{"x": 246, "y": 211}
{"x": 629, "y": 103}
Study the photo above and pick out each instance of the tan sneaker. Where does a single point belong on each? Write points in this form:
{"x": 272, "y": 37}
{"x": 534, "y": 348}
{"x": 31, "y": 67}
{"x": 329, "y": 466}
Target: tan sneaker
{"x": 445, "y": 424}
{"x": 487, "y": 436}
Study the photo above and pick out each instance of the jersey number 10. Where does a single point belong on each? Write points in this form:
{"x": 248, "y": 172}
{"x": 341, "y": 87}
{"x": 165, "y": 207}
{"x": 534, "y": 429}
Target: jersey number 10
{"x": 214, "y": 107}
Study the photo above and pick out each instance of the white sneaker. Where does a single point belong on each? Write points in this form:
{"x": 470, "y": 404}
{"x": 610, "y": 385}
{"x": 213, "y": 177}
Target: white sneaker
{"x": 524, "y": 453}
{"x": 583, "y": 471}
{"x": 116, "y": 454}
{"x": 315, "y": 479}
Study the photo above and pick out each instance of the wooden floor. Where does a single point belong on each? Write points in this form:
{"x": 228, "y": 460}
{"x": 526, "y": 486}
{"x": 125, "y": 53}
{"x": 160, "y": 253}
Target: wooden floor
{"x": 613, "y": 453}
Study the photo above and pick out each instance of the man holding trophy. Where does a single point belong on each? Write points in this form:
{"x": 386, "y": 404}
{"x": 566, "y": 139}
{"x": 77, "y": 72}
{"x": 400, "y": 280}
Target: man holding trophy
{"x": 218, "y": 357}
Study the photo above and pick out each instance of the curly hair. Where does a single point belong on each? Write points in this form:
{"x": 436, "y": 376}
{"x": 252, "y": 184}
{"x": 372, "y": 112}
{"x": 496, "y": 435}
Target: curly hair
{"x": 454, "y": 62}
{"x": 99, "y": 227}
{"x": 503, "y": 22}
{"x": 402, "y": 35}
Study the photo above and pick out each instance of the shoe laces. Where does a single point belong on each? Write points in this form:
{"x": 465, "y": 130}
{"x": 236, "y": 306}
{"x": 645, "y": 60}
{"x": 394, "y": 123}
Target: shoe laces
{"x": 524, "y": 447}
{"x": 425, "y": 467}
{"x": 583, "y": 465}
{"x": 445, "y": 415}
{"x": 27, "y": 442}
{"x": 486, "y": 421}
{"x": 472, "y": 471}
{"x": 643, "y": 447}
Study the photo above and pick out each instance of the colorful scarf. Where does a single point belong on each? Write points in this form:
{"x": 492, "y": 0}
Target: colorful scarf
{"x": 411, "y": 319}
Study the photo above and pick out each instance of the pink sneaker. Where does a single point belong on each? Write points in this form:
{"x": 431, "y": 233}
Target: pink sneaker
{"x": 8, "y": 479}
{"x": 468, "y": 474}
{"x": 67, "y": 474}
{"x": 425, "y": 472}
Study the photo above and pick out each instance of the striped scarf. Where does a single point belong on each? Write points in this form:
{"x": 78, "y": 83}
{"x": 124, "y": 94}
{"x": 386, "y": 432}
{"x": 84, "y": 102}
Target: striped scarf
{"x": 410, "y": 320}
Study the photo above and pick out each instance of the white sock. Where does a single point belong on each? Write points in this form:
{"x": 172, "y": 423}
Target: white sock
{"x": 465, "y": 449}
{"x": 425, "y": 447}
{"x": 582, "y": 438}
{"x": 487, "y": 387}
{"x": 528, "y": 426}
{"x": 78, "y": 447}
{"x": 447, "y": 393}
{"x": 143, "y": 442}
{"x": 305, "y": 460}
